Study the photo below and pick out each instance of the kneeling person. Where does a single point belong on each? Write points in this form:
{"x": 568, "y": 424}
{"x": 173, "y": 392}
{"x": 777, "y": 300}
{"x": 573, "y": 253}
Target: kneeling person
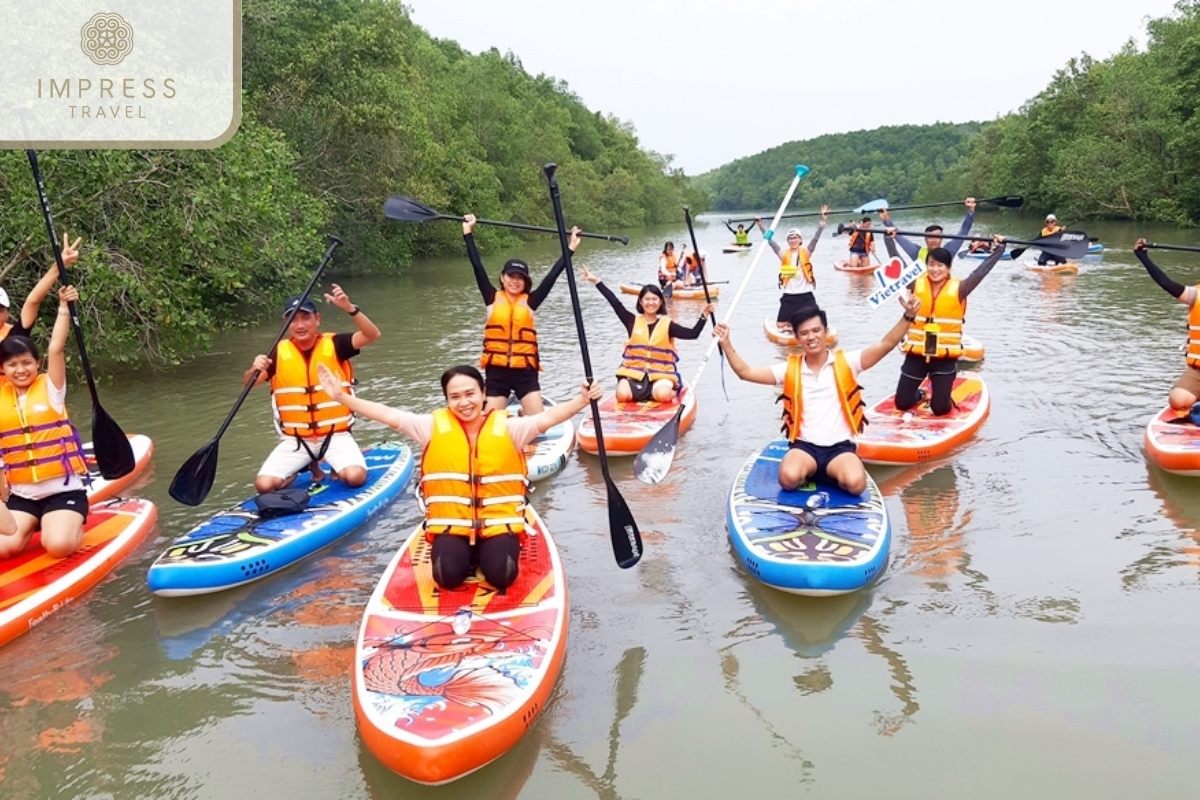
{"x": 822, "y": 401}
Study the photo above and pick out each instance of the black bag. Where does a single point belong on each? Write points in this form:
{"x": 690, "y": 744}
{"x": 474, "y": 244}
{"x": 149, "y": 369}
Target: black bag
{"x": 281, "y": 503}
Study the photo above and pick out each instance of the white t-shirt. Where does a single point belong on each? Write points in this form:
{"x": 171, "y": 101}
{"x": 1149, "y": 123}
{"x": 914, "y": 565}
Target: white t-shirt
{"x": 824, "y": 423}
{"x": 50, "y": 486}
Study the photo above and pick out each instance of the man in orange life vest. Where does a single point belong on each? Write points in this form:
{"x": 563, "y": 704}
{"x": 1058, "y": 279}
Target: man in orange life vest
{"x": 313, "y": 426}
{"x": 797, "y": 281}
{"x": 823, "y": 406}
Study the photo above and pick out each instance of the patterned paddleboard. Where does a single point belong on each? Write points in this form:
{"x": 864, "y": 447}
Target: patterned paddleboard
{"x": 628, "y": 427}
{"x": 1173, "y": 444}
{"x": 447, "y": 681}
{"x": 547, "y": 454}
{"x": 910, "y": 437}
{"x": 33, "y": 585}
{"x": 832, "y": 548}
{"x": 236, "y": 546}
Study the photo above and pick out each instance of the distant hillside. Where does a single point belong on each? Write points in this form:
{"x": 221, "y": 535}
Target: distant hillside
{"x": 903, "y": 163}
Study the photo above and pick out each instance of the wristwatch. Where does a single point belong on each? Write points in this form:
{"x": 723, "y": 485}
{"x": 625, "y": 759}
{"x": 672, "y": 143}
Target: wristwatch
{"x": 355, "y": 312}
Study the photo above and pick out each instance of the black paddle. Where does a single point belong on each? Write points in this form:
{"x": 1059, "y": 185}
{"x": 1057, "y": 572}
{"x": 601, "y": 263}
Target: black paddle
{"x": 622, "y": 528}
{"x": 406, "y": 209}
{"x": 1183, "y": 248}
{"x": 114, "y": 454}
{"x": 194, "y": 479}
{"x": 1064, "y": 244}
{"x": 1008, "y": 201}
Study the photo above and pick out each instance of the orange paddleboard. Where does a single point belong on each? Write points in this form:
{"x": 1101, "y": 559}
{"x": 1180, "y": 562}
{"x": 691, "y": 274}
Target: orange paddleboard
{"x": 910, "y": 437}
{"x": 1173, "y": 444}
{"x": 628, "y": 427}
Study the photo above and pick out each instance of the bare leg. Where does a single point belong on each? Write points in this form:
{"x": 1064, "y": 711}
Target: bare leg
{"x": 14, "y": 543}
{"x": 495, "y": 403}
{"x": 1181, "y": 400}
{"x": 269, "y": 483}
{"x": 663, "y": 391}
{"x": 796, "y": 468}
{"x": 624, "y": 393}
{"x": 62, "y": 532}
{"x": 532, "y": 404}
{"x": 353, "y": 477}
{"x": 848, "y": 470}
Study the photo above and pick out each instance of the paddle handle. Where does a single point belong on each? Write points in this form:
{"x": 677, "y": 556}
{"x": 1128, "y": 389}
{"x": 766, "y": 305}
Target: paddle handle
{"x": 334, "y": 244}
{"x": 538, "y": 228}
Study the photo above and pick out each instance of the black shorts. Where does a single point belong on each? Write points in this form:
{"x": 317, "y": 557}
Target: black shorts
{"x": 74, "y": 500}
{"x": 823, "y": 455}
{"x": 789, "y": 304}
{"x": 503, "y": 381}
{"x": 854, "y": 252}
{"x": 642, "y": 389}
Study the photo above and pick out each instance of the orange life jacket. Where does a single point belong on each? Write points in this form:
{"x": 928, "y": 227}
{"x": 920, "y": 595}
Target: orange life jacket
{"x": 4, "y": 331}
{"x": 668, "y": 267}
{"x": 858, "y": 235}
{"x": 1193, "y": 343}
{"x": 301, "y": 406}
{"x": 472, "y": 493}
{"x": 789, "y": 268}
{"x": 37, "y": 443}
{"x": 510, "y": 338}
{"x": 1050, "y": 230}
{"x": 691, "y": 266}
{"x": 941, "y": 316}
{"x": 849, "y": 392}
{"x": 650, "y": 354}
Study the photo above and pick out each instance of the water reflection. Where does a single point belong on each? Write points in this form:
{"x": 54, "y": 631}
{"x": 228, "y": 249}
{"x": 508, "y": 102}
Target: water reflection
{"x": 1181, "y": 506}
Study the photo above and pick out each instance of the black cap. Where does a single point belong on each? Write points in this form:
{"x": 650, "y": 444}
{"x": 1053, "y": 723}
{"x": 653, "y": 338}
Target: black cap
{"x": 307, "y": 305}
{"x": 515, "y": 266}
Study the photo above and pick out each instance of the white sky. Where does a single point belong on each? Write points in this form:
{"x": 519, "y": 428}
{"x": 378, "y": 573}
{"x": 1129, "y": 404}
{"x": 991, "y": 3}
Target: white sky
{"x": 710, "y": 82}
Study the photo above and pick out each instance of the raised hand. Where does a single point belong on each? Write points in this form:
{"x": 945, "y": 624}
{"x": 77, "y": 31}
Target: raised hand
{"x": 70, "y": 252}
{"x": 331, "y": 383}
{"x": 339, "y": 298}
{"x": 468, "y": 224}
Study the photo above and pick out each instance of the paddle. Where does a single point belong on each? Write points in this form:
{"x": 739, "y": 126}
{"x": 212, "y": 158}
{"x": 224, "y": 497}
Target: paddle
{"x": 406, "y": 209}
{"x": 1064, "y": 244}
{"x": 687, "y": 216}
{"x": 875, "y": 206}
{"x": 114, "y": 454}
{"x": 622, "y": 528}
{"x": 654, "y": 461}
{"x": 1183, "y": 248}
{"x": 194, "y": 479}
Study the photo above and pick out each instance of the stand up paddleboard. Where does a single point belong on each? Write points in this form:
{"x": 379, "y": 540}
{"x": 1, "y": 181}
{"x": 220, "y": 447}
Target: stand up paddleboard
{"x": 679, "y": 293}
{"x": 788, "y": 340}
{"x": 102, "y": 489}
{"x": 972, "y": 349}
{"x": 33, "y": 585}
{"x": 844, "y": 266}
{"x": 1056, "y": 269}
{"x": 628, "y": 427}
{"x": 447, "y": 681}
{"x": 238, "y": 546}
{"x": 898, "y": 438}
{"x": 547, "y": 454}
{"x": 737, "y": 248}
{"x": 838, "y": 545}
{"x": 1173, "y": 443}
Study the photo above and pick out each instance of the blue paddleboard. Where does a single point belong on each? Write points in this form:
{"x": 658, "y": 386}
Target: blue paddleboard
{"x": 237, "y": 547}
{"x": 834, "y": 547}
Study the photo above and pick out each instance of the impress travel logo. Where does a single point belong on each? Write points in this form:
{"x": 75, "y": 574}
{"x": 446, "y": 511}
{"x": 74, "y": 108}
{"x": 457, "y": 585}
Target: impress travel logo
{"x": 130, "y": 74}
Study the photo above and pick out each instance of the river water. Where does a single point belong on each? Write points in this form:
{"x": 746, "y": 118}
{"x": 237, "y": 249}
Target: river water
{"x": 1035, "y": 635}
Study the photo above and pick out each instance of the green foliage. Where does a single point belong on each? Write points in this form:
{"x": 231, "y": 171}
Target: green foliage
{"x": 177, "y": 244}
{"x": 906, "y": 163}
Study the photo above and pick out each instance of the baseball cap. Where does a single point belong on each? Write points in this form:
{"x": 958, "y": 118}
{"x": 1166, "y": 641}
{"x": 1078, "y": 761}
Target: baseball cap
{"x": 515, "y": 266}
{"x": 306, "y": 305}
{"x": 1051, "y": 218}
{"x": 3, "y": 298}
{"x": 794, "y": 232}
{"x": 703, "y": 254}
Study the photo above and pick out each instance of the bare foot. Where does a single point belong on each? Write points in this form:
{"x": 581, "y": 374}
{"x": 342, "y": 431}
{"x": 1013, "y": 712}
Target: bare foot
{"x": 317, "y": 473}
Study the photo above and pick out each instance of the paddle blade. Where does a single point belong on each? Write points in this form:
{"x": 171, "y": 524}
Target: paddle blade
{"x": 1012, "y": 201}
{"x": 194, "y": 479}
{"x": 406, "y": 209}
{"x": 870, "y": 208}
{"x": 114, "y": 453}
{"x": 654, "y": 461}
{"x": 1065, "y": 244}
{"x": 623, "y": 529}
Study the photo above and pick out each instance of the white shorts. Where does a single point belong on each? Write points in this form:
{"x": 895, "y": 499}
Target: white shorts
{"x": 289, "y": 457}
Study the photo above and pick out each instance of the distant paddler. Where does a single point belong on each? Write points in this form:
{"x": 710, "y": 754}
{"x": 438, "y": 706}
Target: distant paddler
{"x": 649, "y": 366}
{"x": 741, "y": 237}
{"x": 934, "y": 342}
{"x": 861, "y": 244}
{"x": 797, "y": 281}
{"x": 1185, "y": 394}
{"x": 690, "y": 268}
{"x": 43, "y": 456}
{"x": 1049, "y": 229}
{"x": 668, "y": 266}
{"x": 510, "y": 359}
{"x": 473, "y": 472}
{"x": 933, "y": 234}
{"x": 823, "y": 408}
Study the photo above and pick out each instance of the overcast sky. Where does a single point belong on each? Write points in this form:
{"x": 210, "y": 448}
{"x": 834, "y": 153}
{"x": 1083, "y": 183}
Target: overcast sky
{"x": 710, "y": 82}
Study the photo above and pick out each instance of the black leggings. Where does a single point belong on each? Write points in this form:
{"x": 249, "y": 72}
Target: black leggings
{"x": 453, "y": 562}
{"x": 941, "y": 372}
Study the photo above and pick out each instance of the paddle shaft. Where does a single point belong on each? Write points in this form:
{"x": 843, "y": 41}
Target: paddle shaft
{"x": 1009, "y": 201}
{"x": 1026, "y": 242}
{"x": 539, "y": 229}
{"x": 687, "y": 215}
{"x": 334, "y": 243}
{"x": 1183, "y": 248}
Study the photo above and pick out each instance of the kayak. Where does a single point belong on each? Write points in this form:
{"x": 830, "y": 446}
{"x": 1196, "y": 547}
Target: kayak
{"x": 101, "y": 489}
{"x": 816, "y": 540}
{"x": 690, "y": 293}
{"x": 1057, "y": 269}
{"x": 899, "y": 438}
{"x": 447, "y": 681}
{"x": 1173, "y": 443}
{"x": 547, "y": 454}
{"x": 844, "y": 266}
{"x": 779, "y": 337}
{"x": 237, "y": 546}
{"x": 34, "y": 585}
{"x": 628, "y": 427}
{"x": 737, "y": 248}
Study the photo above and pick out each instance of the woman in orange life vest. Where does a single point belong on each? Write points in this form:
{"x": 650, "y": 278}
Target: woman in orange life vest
{"x": 463, "y": 444}
{"x": 22, "y": 325}
{"x": 312, "y": 427}
{"x": 42, "y": 452}
{"x": 823, "y": 409}
{"x": 934, "y": 341}
{"x": 1185, "y": 394}
{"x": 1049, "y": 229}
{"x": 510, "y": 350}
{"x": 648, "y": 368}
{"x": 861, "y": 244}
{"x": 690, "y": 269}
{"x": 668, "y": 266}
{"x": 796, "y": 278}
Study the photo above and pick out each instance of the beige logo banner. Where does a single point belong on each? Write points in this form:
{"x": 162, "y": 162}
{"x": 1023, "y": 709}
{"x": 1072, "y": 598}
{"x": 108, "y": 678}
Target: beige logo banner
{"x": 106, "y": 39}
